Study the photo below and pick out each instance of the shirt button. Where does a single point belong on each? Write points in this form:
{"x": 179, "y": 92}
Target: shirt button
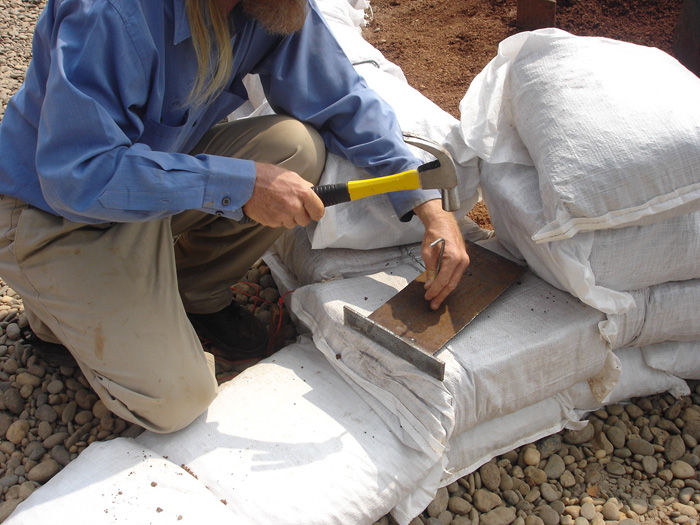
{"x": 226, "y": 201}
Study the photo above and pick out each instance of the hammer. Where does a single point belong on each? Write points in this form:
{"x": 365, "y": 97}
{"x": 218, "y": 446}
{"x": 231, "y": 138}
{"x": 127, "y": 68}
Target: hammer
{"x": 437, "y": 174}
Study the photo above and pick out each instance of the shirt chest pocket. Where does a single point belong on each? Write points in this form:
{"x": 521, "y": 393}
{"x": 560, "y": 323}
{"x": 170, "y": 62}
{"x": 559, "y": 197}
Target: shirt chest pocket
{"x": 166, "y": 137}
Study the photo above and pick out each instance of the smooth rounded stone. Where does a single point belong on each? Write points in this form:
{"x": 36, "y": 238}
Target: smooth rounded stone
{"x": 44, "y": 429}
{"x": 99, "y": 410}
{"x": 549, "y": 445}
{"x": 548, "y": 514}
{"x": 85, "y": 399}
{"x": 25, "y": 391}
{"x": 686, "y": 494}
{"x": 691, "y": 459}
{"x": 506, "y": 481}
{"x": 628, "y": 521}
{"x": 533, "y": 520}
{"x": 459, "y": 505}
{"x": 69, "y": 412}
{"x": 498, "y": 516}
{"x": 511, "y": 497}
{"x": 82, "y": 417}
{"x": 485, "y": 500}
{"x": 17, "y": 431}
{"x": 533, "y": 495}
{"x": 558, "y": 506}
{"x": 685, "y": 510}
{"x": 578, "y": 437}
{"x": 615, "y": 468}
{"x": 8, "y": 480}
{"x": 639, "y": 506}
{"x": 490, "y": 475}
{"x": 554, "y": 467}
{"x": 61, "y": 455}
{"x": 690, "y": 441}
{"x": 680, "y": 469}
{"x": 5, "y": 422}
{"x": 6, "y": 447}
{"x": 55, "y": 439}
{"x": 7, "y": 508}
{"x": 675, "y": 448}
{"x": 633, "y": 411}
{"x": 581, "y": 521}
{"x": 549, "y": 492}
{"x": 458, "y": 520}
{"x": 650, "y": 465}
{"x": 535, "y": 476}
{"x": 616, "y": 435}
{"x": 572, "y": 510}
{"x": 34, "y": 450}
{"x": 445, "y": 517}
{"x": 25, "y": 378}
{"x": 433, "y": 521}
{"x": 46, "y": 413}
{"x": 640, "y": 446}
{"x": 531, "y": 456}
{"x": 623, "y": 453}
{"x": 26, "y": 489}
{"x": 44, "y": 471}
{"x": 567, "y": 479}
{"x": 610, "y": 510}
{"x": 13, "y": 331}
{"x": 13, "y": 401}
{"x": 439, "y": 503}
{"x": 55, "y": 386}
{"x": 588, "y": 510}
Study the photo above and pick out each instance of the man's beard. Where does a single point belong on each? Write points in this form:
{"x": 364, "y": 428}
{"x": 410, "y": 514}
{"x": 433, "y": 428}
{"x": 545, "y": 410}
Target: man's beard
{"x": 281, "y": 17}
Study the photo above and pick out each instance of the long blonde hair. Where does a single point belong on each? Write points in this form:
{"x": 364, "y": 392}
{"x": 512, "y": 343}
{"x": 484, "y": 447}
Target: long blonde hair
{"x": 214, "y": 55}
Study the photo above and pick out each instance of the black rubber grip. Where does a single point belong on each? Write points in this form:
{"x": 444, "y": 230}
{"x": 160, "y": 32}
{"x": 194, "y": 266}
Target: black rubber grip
{"x": 429, "y": 166}
{"x": 331, "y": 194}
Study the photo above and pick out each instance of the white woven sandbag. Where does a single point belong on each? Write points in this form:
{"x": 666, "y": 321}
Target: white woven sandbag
{"x": 680, "y": 359}
{"x": 665, "y": 312}
{"x": 597, "y": 267}
{"x": 532, "y": 342}
{"x": 289, "y": 441}
{"x": 613, "y": 129}
{"x": 121, "y": 481}
{"x": 293, "y": 249}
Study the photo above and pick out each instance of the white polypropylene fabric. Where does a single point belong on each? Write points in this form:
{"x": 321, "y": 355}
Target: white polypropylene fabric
{"x": 122, "y": 481}
{"x": 311, "y": 266}
{"x": 540, "y": 341}
{"x": 597, "y": 267}
{"x": 680, "y": 359}
{"x": 665, "y": 312}
{"x": 613, "y": 128}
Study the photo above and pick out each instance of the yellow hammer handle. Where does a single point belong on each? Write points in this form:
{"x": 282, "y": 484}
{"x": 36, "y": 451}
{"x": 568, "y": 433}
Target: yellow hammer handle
{"x": 406, "y": 180}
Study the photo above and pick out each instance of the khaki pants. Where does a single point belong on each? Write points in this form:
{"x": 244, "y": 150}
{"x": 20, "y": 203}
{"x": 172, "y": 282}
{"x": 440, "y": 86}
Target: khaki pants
{"x": 116, "y": 294}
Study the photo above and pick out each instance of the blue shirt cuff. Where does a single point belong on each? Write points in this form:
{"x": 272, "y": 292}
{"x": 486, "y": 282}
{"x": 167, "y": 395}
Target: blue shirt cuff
{"x": 405, "y": 201}
{"x": 229, "y": 186}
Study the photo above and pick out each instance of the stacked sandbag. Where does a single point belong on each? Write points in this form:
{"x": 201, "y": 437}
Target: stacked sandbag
{"x": 590, "y": 167}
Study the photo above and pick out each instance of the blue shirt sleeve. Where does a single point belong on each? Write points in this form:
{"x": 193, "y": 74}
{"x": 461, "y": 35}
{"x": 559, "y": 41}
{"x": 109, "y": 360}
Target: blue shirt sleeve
{"x": 90, "y": 162}
{"x": 309, "y": 76}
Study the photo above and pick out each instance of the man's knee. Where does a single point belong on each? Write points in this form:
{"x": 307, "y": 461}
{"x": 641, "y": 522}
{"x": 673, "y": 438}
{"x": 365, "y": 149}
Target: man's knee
{"x": 305, "y": 150}
{"x": 183, "y": 403}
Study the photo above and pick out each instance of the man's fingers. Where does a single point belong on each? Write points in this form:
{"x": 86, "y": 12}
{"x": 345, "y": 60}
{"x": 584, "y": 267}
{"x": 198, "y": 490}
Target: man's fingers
{"x": 314, "y": 206}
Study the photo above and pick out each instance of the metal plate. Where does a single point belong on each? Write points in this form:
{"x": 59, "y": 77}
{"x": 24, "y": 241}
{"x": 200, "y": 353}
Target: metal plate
{"x": 407, "y": 322}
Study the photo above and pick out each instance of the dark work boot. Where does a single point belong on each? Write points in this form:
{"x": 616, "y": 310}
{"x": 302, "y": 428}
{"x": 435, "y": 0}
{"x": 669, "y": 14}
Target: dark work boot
{"x": 234, "y": 331}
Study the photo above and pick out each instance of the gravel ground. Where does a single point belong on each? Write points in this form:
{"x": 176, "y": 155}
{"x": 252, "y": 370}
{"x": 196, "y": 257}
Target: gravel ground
{"x": 634, "y": 463}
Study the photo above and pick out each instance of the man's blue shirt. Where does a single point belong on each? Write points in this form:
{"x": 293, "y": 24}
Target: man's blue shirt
{"x": 100, "y": 129}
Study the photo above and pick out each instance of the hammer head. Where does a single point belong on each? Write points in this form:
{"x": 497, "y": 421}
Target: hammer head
{"x": 442, "y": 177}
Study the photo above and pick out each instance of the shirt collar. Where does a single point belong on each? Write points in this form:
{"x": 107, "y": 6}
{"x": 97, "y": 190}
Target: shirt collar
{"x": 182, "y": 25}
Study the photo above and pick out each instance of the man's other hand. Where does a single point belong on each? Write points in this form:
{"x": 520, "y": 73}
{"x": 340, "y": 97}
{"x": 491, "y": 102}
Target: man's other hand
{"x": 439, "y": 223}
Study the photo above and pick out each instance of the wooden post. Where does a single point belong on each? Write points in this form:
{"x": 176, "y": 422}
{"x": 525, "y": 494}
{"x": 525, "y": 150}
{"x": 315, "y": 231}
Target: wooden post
{"x": 686, "y": 38}
{"x": 536, "y": 14}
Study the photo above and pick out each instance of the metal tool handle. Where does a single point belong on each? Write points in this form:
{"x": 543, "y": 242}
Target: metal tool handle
{"x": 331, "y": 194}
